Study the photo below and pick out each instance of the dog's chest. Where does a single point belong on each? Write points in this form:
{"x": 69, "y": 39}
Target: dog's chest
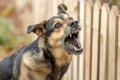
{"x": 28, "y": 74}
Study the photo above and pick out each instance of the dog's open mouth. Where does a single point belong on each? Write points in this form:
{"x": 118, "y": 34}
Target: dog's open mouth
{"x": 72, "y": 43}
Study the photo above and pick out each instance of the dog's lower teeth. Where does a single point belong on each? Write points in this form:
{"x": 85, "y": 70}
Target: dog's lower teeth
{"x": 75, "y": 48}
{"x": 72, "y": 46}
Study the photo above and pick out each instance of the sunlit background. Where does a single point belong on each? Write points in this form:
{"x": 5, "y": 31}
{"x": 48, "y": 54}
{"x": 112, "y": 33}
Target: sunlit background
{"x": 15, "y": 17}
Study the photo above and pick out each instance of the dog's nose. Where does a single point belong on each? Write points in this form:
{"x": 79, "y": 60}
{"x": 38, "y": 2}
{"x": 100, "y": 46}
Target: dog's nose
{"x": 73, "y": 23}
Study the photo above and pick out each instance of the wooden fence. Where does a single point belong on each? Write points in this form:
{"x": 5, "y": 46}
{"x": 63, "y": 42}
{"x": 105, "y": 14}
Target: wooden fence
{"x": 101, "y": 40}
{"x": 100, "y": 37}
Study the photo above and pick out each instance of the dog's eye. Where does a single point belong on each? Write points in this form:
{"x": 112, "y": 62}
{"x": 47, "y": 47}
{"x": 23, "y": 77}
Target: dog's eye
{"x": 58, "y": 25}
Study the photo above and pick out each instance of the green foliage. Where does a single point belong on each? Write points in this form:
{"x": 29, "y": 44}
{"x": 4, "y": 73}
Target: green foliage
{"x": 118, "y": 4}
{"x": 7, "y": 33}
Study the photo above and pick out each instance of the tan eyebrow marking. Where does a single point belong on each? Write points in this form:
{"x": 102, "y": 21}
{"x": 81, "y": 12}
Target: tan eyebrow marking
{"x": 57, "y": 21}
{"x": 66, "y": 17}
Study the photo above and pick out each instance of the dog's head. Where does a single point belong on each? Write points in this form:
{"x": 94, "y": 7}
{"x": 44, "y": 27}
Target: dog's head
{"x": 59, "y": 31}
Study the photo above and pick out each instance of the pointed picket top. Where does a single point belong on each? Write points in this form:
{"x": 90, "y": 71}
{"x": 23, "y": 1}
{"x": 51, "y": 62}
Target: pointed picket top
{"x": 112, "y": 2}
{"x": 89, "y": 3}
{"x": 95, "y": 34}
{"x": 106, "y": 7}
{"x": 114, "y": 11}
{"x": 83, "y": 1}
{"x": 103, "y": 42}
{"x": 97, "y": 5}
{"x": 92, "y": 2}
{"x": 109, "y": 2}
{"x": 87, "y": 37}
{"x": 117, "y": 12}
{"x": 112, "y": 43}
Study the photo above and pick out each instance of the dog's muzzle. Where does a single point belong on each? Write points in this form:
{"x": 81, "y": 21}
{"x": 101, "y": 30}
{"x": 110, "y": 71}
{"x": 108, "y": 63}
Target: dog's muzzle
{"x": 72, "y": 43}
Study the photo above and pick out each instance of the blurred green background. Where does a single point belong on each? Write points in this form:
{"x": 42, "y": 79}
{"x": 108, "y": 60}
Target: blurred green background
{"x": 12, "y": 27}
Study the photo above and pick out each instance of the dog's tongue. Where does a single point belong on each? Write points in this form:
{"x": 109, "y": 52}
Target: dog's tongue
{"x": 73, "y": 42}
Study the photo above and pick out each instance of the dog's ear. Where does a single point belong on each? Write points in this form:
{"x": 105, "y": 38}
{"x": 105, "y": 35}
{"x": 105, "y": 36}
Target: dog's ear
{"x": 37, "y": 28}
{"x": 62, "y": 8}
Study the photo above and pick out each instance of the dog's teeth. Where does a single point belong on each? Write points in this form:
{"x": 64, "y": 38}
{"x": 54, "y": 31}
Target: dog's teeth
{"x": 68, "y": 44}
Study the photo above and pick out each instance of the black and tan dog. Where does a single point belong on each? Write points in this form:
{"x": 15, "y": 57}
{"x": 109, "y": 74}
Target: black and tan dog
{"x": 49, "y": 56}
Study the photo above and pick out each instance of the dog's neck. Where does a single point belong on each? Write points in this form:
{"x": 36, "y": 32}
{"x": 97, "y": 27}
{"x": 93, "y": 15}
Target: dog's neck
{"x": 59, "y": 56}
{"x": 59, "y": 60}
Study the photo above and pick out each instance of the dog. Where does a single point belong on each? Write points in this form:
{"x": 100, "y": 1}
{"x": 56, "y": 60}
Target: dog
{"x": 49, "y": 56}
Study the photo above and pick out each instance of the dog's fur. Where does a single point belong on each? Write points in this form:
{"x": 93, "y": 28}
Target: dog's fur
{"x": 46, "y": 58}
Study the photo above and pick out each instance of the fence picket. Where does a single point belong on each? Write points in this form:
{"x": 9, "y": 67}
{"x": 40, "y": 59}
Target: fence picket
{"x": 87, "y": 43}
{"x": 96, "y": 17}
{"x": 82, "y": 23}
{"x": 111, "y": 59}
{"x": 103, "y": 37}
